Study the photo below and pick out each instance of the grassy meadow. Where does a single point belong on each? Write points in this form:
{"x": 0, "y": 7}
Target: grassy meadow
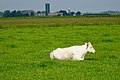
{"x": 25, "y": 44}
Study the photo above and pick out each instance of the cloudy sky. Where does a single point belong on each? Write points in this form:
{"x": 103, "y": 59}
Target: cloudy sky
{"x": 56, "y": 5}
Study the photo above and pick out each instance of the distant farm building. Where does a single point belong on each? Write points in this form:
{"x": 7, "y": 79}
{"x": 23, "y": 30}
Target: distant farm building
{"x": 29, "y": 12}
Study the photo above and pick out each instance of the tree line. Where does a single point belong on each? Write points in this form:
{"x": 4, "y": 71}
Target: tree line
{"x": 32, "y": 13}
{"x": 15, "y": 13}
{"x": 8, "y": 13}
{"x": 65, "y": 13}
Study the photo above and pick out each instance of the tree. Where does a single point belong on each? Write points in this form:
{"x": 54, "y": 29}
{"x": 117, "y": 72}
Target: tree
{"x": 72, "y": 13}
{"x": 38, "y": 12}
{"x": 6, "y": 13}
{"x": 26, "y": 15}
{"x": 13, "y": 13}
{"x": 32, "y": 14}
{"x": 64, "y": 12}
{"x": 19, "y": 14}
{"x": 1, "y": 14}
{"x": 78, "y": 13}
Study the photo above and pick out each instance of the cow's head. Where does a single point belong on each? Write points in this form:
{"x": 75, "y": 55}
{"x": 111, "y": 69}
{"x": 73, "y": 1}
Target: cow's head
{"x": 89, "y": 47}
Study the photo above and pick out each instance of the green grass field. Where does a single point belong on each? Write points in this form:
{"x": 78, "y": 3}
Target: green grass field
{"x": 25, "y": 44}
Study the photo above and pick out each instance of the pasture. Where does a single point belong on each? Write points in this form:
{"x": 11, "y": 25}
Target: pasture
{"x": 25, "y": 44}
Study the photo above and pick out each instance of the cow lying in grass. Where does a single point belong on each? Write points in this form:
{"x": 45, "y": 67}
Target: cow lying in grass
{"x": 72, "y": 53}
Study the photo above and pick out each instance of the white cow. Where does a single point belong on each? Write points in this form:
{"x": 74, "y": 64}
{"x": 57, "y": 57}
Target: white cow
{"x": 72, "y": 53}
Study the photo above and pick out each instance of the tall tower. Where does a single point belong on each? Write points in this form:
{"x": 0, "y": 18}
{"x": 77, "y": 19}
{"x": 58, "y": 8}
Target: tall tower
{"x": 47, "y": 9}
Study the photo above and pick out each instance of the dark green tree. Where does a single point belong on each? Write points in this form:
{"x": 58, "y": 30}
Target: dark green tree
{"x": 64, "y": 12}
{"x": 32, "y": 14}
{"x": 38, "y": 12}
{"x": 26, "y": 15}
{"x": 6, "y": 13}
{"x": 1, "y": 14}
{"x": 13, "y": 13}
{"x": 19, "y": 14}
{"x": 72, "y": 13}
{"x": 78, "y": 13}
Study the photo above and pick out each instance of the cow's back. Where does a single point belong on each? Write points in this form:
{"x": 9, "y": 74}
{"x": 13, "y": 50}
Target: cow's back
{"x": 62, "y": 53}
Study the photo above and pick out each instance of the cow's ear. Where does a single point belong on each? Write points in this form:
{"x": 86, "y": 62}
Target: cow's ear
{"x": 89, "y": 43}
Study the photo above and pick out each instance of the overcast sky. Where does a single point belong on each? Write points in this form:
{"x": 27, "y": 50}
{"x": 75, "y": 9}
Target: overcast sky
{"x": 56, "y": 5}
